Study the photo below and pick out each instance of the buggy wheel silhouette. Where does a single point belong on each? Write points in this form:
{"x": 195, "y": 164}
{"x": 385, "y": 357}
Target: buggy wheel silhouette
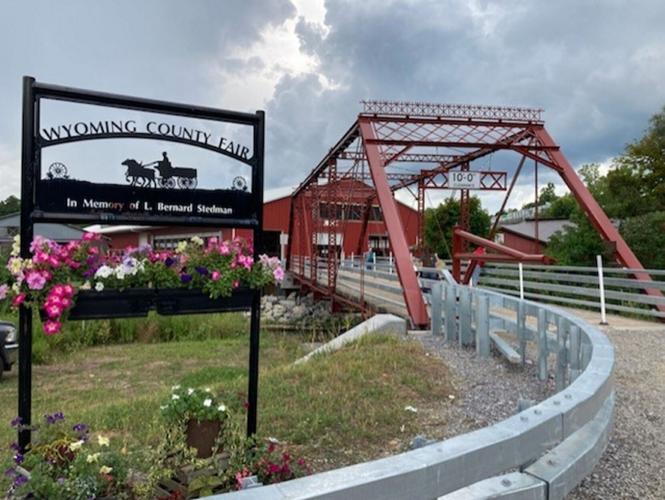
{"x": 187, "y": 182}
{"x": 169, "y": 182}
{"x": 57, "y": 170}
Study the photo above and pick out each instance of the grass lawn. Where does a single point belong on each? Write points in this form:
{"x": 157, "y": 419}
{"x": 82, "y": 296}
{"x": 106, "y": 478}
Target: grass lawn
{"x": 338, "y": 409}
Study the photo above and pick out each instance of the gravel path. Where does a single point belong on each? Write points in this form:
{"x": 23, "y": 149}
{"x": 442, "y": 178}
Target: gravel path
{"x": 488, "y": 389}
{"x": 633, "y": 465}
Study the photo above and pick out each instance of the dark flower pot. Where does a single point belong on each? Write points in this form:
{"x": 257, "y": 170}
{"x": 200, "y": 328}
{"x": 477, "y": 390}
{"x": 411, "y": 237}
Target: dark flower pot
{"x": 202, "y": 434}
{"x": 137, "y": 302}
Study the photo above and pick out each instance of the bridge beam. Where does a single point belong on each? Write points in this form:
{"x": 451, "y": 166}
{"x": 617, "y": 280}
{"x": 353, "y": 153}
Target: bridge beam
{"x": 413, "y": 297}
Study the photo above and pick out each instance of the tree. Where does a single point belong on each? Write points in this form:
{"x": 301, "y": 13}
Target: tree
{"x": 645, "y": 234}
{"x": 440, "y": 221}
{"x": 10, "y": 205}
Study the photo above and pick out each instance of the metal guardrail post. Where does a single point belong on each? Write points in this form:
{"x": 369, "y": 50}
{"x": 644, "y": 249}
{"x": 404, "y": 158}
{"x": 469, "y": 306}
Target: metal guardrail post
{"x": 483, "y": 326}
{"x": 465, "y": 333}
{"x": 574, "y": 343}
{"x": 521, "y": 272}
{"x": 436, "y": 308}
{"x": 451, "y": 313}
{"x": 521, "y": 330}
{"x": 542, "y": 344}
{"x": 562, "y": 354}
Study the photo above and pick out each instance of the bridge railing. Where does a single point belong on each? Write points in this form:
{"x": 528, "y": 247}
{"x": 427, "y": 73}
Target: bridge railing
{"x": 542, "y": 452}
{"x": 578, "y": 286}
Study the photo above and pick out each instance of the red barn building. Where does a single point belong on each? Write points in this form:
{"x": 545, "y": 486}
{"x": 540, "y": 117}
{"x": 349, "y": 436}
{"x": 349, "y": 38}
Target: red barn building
{"x": 276, "y": 213}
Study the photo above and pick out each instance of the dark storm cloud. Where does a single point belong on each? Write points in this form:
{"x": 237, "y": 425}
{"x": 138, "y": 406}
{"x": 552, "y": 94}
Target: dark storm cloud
{"x": 596, "y": 68}
{"x": 151, "y": 48}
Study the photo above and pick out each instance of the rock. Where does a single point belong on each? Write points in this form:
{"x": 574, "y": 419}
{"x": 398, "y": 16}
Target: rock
{"x": 419, "y": 441}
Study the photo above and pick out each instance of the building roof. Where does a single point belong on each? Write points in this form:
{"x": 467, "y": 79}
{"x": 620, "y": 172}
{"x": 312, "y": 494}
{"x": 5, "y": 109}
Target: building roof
{"x": 56, "y": 232}
{"x": 546, "y": 228}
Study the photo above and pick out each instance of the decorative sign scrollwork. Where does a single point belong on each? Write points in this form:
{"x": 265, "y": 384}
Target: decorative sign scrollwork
{"x": 57, "y": 170}
{"x": 240, "y": 184}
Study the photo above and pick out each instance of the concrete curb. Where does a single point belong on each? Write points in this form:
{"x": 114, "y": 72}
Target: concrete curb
{"x": 379, "y": 323}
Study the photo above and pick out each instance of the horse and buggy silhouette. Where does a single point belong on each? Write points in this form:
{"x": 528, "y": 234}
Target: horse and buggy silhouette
{"x": 169, "y": 177}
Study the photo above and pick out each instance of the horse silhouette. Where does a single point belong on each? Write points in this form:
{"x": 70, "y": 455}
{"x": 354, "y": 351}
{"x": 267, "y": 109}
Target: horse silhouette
{"x": 137, "y": 172}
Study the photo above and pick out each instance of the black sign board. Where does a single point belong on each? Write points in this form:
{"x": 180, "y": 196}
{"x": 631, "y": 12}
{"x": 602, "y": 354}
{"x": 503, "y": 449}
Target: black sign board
{"x": 168, "y": 188}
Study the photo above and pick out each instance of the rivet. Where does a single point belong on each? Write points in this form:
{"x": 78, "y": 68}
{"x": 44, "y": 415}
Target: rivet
{"x": 568, "y": 396}
{"x": 537, "y": 412}
{"x": 506, "y": 482}
{"x": 557, "y": 402}
{"x": 524, "y": 418}
{"x": 551, "y": 462}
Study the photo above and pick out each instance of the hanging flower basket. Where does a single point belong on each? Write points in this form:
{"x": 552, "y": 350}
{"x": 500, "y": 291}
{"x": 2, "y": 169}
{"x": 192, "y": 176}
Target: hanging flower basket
{"x": 80, "y": 280}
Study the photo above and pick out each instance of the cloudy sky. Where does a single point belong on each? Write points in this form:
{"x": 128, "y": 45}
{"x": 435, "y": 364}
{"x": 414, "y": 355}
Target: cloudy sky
{"x": 597, "y": 68}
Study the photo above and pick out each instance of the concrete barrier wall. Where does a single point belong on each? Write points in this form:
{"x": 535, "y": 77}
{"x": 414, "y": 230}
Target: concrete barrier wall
{"x": 554, "y": 443}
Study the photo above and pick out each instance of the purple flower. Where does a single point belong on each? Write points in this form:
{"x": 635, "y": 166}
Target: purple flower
{"x": 20, "y": 480}
{"x": 203, "y": 271}
{"x": 16, "y": 421}
{"x": 185, "y": 278}
{"x": 18, "y": 459}
{"x": 14, "y": 446}
{"x": 80, "y": 427}
{"x": 56, "y": 417}
{"x": 169, "y": 262}
{"x": 10, "y": 472}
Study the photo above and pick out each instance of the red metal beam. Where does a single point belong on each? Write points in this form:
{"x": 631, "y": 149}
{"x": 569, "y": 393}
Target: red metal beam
{"x": 596, "y": 215}
{"x": 413, "y": 296}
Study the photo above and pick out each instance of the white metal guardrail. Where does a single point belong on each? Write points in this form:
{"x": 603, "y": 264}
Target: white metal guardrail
{"x": 553, "y": 444}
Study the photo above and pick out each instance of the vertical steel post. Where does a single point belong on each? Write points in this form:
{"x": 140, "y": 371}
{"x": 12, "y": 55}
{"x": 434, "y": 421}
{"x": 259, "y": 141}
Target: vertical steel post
{"x": 436, "y": 308}
{"x": 574, "y": 354}
{"x": 465, "y": 333}
{"x": 483, "y": 326}
{"x": 521, "y": 273}
{"x": 542, "y": 344}
{"x": 561, "y": 354}
{"x": 601, "y": 290}
{"x": 26, "y": 232}
{"x": 255, "y": 319}
{"x": 451, "y": 313}
{"x": 521, "y": 330}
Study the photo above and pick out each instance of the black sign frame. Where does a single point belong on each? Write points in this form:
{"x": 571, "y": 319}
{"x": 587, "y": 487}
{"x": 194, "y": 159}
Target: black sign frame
{"x": 31, "y": 212}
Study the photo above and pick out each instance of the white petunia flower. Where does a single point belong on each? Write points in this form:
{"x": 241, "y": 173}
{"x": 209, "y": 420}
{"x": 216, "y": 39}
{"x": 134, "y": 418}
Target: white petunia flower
{"x": 207, "y": 402}
{"x": 175, "y": 396}
{"x": 190, "y": 391}
{"x": 104, "y": 469}
{"x": 99, "y": 286}
{"x": 221, "y": 407}
{"x": 207, "y": 389}
{"x": 197, "y": 240}
{"x": 103, "y": 441}
{"x": 175, "y": 387}
{"x": 411, "y": 409}
{"x": 103, "y": 272}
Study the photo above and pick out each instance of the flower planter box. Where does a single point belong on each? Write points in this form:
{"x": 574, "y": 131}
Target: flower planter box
{"x": 133, "y": 303}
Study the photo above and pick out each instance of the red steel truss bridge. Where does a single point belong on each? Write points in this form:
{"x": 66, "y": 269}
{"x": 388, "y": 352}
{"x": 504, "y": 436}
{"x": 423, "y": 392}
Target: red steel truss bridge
{"x": 412, "y": 147}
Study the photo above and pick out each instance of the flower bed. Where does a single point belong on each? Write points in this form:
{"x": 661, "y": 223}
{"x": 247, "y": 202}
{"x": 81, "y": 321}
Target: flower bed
{"x": 80, "y": 280}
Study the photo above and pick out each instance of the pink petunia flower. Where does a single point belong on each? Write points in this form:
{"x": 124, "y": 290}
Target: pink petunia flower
{"x": 35, "y": 280}
{"x": 278, "y": 273}
{"x": 215, "y": 275}
{"x": 18, "y": 300}
{"x": 51, "y": 327}
{"x": 68, "y": 290}
{"x": 53, "y": 311}
{"x": 3, "y": 291}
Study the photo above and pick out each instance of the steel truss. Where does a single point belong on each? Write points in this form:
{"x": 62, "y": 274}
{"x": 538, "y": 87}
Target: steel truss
{"x": 393, "y": 146}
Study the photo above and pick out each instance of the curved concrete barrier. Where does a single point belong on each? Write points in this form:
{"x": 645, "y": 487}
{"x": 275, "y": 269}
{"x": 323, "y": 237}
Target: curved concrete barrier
{"x": 554, "y": 443}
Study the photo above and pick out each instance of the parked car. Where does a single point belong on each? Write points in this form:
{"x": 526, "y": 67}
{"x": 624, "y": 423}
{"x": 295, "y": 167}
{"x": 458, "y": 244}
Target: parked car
{"x": 8, "y": 346}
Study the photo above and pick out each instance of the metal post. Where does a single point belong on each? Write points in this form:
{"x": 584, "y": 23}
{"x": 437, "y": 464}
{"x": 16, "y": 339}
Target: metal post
{"x": 450, "y": 315}
{"x": 562, "y": 354}
{"x": 574, "y": 354}
{"x": 601, "y": 289}
{"x": 483, "y": 326}
{"x": 542, "y": 345}
{"x": 391, "y": 263}
{"x": 255, "y": 320}
{"x": 26, "y": 231}
{"x": 465, "y": 337}
{"x": 521, "y": 270}
{"x": 436, "y": 309}
{"x": 521, "y": 330}
{"x": 374, "y": 261}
